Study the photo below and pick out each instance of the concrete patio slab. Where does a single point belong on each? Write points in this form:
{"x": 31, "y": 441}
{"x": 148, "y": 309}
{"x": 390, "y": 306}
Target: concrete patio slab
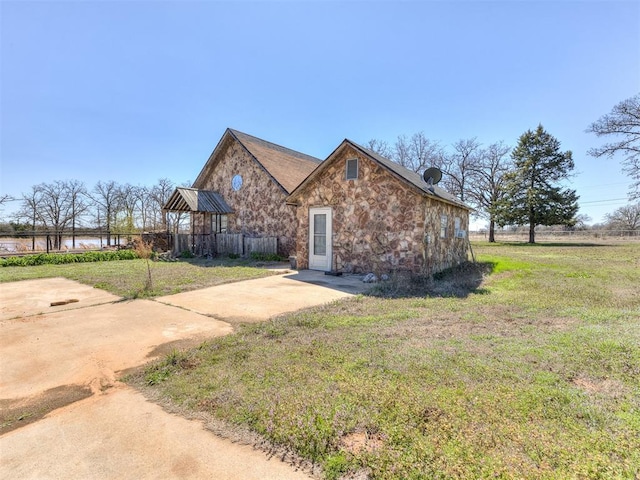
{"x": 88, "y": 345}
{"x": 31, "y": 297}
{"x": 118, "y": 434}
{"x": 260, "y": 299}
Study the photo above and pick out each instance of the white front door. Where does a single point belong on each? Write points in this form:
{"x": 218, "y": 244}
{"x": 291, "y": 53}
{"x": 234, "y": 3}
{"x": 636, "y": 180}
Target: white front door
{"x": 320, "y": 239}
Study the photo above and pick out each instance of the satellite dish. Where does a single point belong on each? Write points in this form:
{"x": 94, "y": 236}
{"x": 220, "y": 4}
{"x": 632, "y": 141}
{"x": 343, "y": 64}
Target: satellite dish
{"x": 432, "y": 176}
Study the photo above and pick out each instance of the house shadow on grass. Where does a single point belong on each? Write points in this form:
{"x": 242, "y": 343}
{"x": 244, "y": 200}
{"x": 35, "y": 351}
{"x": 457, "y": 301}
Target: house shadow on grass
{"x": 458, "y": 282}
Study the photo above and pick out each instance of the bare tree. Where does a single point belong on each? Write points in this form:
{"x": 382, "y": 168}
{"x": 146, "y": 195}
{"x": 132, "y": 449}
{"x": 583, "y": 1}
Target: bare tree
{"x": 128, "y": 202}
{"x": 159, "y": 195}
{"x": 401, "y": 153}
{"x": 56, "y": 208}
{"x": 29, "y": 207}
{"x": 458, "y": 166}
{"x": 487, "y": 181}
{"x": 77, "y": 195}
{"x": 623, "y": 122}
{"x": 417, "y": 152}
{"x": 380, "y": 147}
{"x": 425, "y": 152}
{"x": 144, "y": 202}
{"x": 4, "y": 198}
{"x": 625, "y": 218}
{"x": 106, "y": 197}
{"x": 582, "y": 222}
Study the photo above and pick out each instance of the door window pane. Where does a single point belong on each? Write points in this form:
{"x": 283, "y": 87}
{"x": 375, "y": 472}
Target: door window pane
{"x": 319, "y": 245}
{"x": 320, "y": 234}
{"x": 320, "y": 223}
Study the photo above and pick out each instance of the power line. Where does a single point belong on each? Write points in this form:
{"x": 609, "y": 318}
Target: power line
{"x": 607, "y": 185}
{"x": 607, "y": 200}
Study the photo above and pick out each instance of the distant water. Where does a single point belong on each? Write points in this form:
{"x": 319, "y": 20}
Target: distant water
{"x": 23, "y": 244}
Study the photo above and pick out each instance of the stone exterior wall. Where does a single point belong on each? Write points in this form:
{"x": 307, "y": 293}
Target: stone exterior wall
{"x": 441, "y": 253}
{"x": 259, "y": 206}
{"x": 380, "y": 223}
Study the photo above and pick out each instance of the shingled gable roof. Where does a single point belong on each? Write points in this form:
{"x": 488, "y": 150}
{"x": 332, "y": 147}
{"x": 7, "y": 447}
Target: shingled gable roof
{"x": 404, "y": 174}
{"x": 285, "y": 166}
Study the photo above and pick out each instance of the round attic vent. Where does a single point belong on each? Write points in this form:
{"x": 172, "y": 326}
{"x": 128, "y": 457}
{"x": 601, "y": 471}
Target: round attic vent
{"x": 236, "y": 182}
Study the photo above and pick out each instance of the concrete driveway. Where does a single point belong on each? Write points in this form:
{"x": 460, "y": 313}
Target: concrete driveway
{"x": 63, "y": 414}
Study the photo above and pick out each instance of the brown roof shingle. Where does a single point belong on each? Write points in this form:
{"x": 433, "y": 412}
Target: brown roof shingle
{"x": 287, "y": 167}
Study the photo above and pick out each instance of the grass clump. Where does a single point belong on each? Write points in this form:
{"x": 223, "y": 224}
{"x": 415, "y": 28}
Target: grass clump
{"x": 145, "y": 251}
{"x": 531, "y": 373}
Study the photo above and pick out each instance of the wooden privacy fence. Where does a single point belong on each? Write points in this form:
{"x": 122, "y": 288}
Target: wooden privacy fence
{"x": 223, "y": 244}
{"x": 260, "y": 245}
{"x": 228, "y": 243}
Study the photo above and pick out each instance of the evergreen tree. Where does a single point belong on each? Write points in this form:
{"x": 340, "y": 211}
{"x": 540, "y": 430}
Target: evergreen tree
{"x": 533, "y": 195}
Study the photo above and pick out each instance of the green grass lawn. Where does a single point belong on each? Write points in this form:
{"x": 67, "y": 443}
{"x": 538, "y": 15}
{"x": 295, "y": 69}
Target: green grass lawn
{"x": 534, "y": 372}
{"x": 127, "y": 278}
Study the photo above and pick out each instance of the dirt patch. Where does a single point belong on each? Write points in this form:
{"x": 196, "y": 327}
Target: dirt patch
{"x": 362, "y": 441}
{"x": 495, "y": 321}
{"x": 16, "y": 413}
{"x": 607, "y": 387}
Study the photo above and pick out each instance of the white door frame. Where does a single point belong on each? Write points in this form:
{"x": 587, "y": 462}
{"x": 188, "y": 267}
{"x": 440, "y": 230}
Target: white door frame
{"x": 319, "y": 258}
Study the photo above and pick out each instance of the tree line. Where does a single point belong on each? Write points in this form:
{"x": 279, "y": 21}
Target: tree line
{"x": 524, "y": 185}
{"x": 507, "y": 186}
{"x": 67, "y": 206}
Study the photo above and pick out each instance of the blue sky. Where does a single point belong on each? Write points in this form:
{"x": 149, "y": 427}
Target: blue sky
{"x": 133, "y": 91}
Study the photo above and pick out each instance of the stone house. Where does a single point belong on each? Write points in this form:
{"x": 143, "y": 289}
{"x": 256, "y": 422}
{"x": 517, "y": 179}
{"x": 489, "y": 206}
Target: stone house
{"x": 356, "y": 211}
{"x": 360, "y": 212}
{"x": 242, "y": 189}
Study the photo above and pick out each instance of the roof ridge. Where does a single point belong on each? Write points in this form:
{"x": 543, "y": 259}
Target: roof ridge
{"x": 277, "y": 146}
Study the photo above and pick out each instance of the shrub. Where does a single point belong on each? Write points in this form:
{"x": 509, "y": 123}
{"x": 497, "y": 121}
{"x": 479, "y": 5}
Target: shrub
{"x": 186, "y": 254}
{"x": 266, "y": 257}
{"x": 145, "y": 250}
{"x": 61, "y": 258}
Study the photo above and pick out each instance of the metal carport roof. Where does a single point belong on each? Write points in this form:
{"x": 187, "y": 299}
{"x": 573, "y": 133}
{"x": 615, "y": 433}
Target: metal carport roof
{"x": 193, "y": 200}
